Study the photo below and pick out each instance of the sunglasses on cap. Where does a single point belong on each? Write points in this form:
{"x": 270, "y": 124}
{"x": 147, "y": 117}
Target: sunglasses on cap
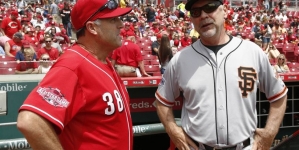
{"x": 111, "y": 4}
{"x": 208, "y": 8}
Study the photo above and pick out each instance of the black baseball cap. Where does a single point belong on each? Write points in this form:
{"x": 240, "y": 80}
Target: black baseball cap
{"x": 191, "y": 2}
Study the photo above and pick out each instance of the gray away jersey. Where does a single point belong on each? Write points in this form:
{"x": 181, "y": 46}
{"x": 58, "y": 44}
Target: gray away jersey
{"x": 219, "y": 92}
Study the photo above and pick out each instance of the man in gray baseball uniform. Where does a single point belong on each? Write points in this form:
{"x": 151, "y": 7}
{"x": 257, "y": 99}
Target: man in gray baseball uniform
{"x": 219, "y": 76}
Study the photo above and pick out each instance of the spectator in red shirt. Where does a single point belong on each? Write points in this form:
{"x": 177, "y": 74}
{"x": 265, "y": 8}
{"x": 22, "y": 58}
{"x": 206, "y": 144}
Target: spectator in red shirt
{"x": 155, "y": 27}
{"x": 14, "y": 45}
{"x": 127, "y": 58}
{"x": 62, "y": 37}
{"x": 39, "y": 34}
{"x": 185, "y": 41}
{"x": 127, "y": 30}
{"x": 51, "y": 51}
{"x": 27, "y": 66}
{"x": 10, "y": 25}
{"x": 30, "y": 37}
{"x": 50, "y": 20}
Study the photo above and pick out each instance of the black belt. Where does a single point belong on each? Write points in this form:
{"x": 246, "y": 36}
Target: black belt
{"x": 245, "y": 144}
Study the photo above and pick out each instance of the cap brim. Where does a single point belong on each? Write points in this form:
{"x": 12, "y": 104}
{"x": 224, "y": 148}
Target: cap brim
{"x": 106, "y": 13}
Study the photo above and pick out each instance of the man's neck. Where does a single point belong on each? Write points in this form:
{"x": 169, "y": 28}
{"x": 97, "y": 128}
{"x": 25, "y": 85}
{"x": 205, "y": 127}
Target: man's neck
{"x": 215, "y": 40}
{"x": 48, "y": 48}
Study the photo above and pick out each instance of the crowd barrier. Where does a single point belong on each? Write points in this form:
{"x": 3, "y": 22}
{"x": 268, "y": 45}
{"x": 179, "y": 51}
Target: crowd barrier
{"x": 139, "y": 130}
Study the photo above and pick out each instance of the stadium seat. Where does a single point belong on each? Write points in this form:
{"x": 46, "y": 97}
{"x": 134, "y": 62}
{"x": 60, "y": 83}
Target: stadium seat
{"x": 293, "y": 65}
{"x": 6, "y": 58}
{"x": 145, "y": 52}
{"x": 155, "y": 62}
{"x": 146, "y": 62}
{"x": 8, "y": 64}
{"x": 279, "y": 46}
{"x": 7, "y": 71}
{"x": 141, "y": 39}
{"x": 149, "y": 57}
{"x": 289, "y": 44}
{"x": 275, "y": 41}
{"x": 141, "y": 45}
{"x": 147, "y": 42}
{"x": 294, "y": 70}
{"x": 151, "y": 68}
{"x": 147, "y": 48}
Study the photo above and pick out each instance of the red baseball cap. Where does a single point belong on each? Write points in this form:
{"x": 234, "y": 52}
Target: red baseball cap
{"x": 14, "y": 13}
{"x": 80, "y": 16}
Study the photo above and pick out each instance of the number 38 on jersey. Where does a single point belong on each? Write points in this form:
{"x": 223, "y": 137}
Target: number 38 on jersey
{"x": 111, "y": 108}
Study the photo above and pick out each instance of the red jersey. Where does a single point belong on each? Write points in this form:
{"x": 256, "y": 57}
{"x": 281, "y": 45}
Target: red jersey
{"x": 125, "y": 33}
{"x": 23, "y": 66}
{"x": 30, "y": 39}
{"x": 128, "y": 54}
{"x": 185, "y": 42}
{"x": 10, "y": 27}
{"x": 88, "y": 103}
{"x": 14, "y": 47}
{"x": 53, "y": 53}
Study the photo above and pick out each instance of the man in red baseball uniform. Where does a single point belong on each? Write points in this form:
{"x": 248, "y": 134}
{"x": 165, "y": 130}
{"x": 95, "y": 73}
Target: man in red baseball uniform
{"x": 82, "y": 104}
{"x": 10, "y": 25}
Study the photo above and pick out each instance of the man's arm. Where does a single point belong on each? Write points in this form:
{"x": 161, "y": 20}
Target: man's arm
{"x": 39, "y": 132}
{"x": 7, "y": 50}
{"x": 264, "y": 137}
{"x": 176, "y": 133}
{"x": 142, "y": 70}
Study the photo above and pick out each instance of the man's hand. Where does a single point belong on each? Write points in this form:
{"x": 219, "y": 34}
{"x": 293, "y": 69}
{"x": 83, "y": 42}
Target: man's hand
{"x": 181, "y": 140}
{"x": 145, "y": 75}
{"x": 262, "y": 139}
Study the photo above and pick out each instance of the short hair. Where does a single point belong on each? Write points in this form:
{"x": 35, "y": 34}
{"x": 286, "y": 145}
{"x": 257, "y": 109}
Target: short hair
{"x": 29, "y": 51}
{"x": 81, "y": 32}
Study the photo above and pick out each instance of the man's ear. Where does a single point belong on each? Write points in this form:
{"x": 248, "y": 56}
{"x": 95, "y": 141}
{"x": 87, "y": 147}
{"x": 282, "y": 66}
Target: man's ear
{"x": 91, "y": 27}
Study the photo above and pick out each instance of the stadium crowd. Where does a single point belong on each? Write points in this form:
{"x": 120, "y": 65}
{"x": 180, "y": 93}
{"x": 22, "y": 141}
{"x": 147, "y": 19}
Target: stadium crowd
{"x": 46, "y": 27}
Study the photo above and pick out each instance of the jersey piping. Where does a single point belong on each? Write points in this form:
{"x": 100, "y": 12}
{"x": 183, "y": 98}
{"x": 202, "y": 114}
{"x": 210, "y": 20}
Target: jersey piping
{"x": 271, "y": 99}
{"x": 26, "y": 105}
{"x": 215, "y": 90}
{"x": 227, "y": 88}
{"x": 163, "y": 99}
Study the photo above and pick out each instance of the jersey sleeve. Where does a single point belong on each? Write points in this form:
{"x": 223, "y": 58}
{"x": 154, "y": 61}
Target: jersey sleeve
{"x": 269, "y": 82}
{"x": 57, "y": 98}
{"x": 168, "y": 89}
